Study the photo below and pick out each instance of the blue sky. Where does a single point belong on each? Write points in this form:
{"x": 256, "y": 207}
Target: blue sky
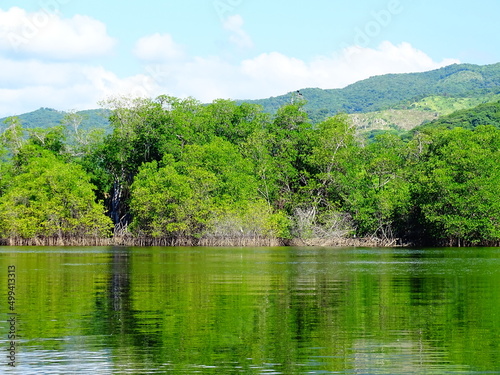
{"x": 71, "y": 54}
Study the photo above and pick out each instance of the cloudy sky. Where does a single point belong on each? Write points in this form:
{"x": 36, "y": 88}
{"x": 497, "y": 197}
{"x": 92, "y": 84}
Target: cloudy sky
{"x": 70, "y": 54}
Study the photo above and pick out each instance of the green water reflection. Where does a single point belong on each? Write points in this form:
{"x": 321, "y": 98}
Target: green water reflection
{"x": 254, "y": 310}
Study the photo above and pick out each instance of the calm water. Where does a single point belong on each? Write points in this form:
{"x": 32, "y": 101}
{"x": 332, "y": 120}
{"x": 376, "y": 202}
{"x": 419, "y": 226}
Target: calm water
{"x": 252, "y": 311}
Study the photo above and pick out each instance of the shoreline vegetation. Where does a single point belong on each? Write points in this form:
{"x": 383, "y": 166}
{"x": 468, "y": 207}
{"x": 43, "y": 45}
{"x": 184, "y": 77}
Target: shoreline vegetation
{"x": 340, "y": 242}
{"x": 176, "y": 172}
{"x": 253, "y": 241}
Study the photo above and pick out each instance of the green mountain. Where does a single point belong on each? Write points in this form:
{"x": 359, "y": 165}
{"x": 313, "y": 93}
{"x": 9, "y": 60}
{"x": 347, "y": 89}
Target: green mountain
{"x": 48, "y": 117}
{"x": 396, "y": 91}
{"x": 396, "y": 102}
{"x": 404, "y": 119}
{"x": 483, "y": 114}
{"x": 417, "y": 113}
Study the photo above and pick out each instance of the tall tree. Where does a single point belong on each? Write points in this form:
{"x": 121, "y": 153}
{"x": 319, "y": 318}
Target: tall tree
{"x": 379, "y": 199}
{"x": 289, "y": 144}
{"x": 456, "y": 187}
{"x": 166, "y": 203}
{"x": 50, "y": 198}
{"x": 139, "y": 130}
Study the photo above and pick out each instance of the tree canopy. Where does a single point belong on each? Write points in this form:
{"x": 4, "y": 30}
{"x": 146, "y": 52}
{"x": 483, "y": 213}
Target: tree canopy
{"x": 176, "y": 168}
{"x": 47, "y": 197}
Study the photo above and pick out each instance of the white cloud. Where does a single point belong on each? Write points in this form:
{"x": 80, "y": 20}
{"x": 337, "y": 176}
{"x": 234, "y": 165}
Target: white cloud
{"x": 271, "y": 74}
{"x": 158, "y": 47}
{"x": 360, "y": 63}
{"x": 45, "y": 35}
{"x": 30, "y": 84}
{"x": 239, "y": 37}
{"x": 278, "y": 73}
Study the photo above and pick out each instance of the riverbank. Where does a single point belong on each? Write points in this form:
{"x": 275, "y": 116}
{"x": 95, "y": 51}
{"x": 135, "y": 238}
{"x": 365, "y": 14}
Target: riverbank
{"x": 212, "y": 241}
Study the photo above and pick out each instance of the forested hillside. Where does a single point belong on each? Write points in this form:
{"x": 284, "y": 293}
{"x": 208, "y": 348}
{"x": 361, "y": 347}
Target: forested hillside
{"x": 396, "y": 91}
{"x": 484, "y": 114}
{"x": 393, "y": 101}
{"x": 48, "y": 117}
{"x": 176, "y": 171}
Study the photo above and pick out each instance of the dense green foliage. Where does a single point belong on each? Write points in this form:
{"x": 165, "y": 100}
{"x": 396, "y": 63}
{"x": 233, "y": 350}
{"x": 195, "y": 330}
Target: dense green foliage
{"x": 175, "y": 168}
{"x": 456, "y": 187}
{"x": 47, "y": 197}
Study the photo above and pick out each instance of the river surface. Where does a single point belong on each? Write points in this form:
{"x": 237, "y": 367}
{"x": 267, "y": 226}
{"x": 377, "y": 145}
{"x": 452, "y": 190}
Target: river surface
{"x": 105, "y": 310}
